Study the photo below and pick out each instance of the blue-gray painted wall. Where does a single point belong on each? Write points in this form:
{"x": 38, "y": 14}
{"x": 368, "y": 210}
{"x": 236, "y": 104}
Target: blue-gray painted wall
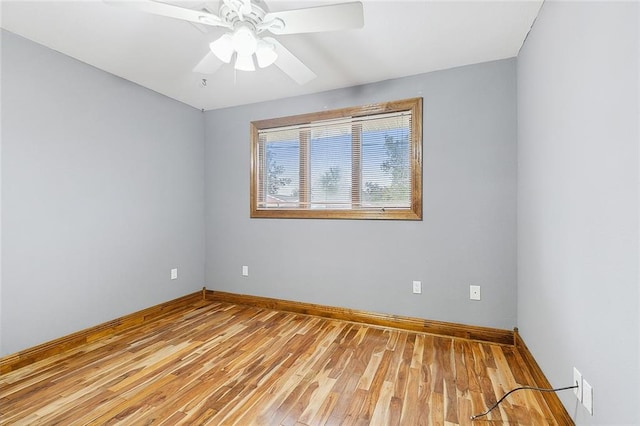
{"x": 578, "y": 183}
{"x": 102, "y": 194}
{"x": 468, "y": 235}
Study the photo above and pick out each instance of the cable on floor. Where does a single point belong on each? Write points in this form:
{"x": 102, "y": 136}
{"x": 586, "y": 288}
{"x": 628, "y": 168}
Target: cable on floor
{"x": 518, "y": 389}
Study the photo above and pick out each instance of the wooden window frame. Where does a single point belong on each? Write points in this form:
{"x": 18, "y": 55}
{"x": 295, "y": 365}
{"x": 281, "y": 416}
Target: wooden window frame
{"x": 414, "y": 212}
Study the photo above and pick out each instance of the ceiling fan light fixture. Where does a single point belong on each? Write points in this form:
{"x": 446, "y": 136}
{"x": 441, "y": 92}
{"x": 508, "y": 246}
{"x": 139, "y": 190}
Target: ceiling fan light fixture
{"x": 265, "y": 53}
{"x": 244, "y": 40}
{"x": 223, "y": 48}
{"x": 245, "y": 62}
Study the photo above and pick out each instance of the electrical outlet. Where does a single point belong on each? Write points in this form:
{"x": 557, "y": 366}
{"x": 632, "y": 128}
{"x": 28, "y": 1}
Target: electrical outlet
{"x": 474, "y": 292}
{"x": 174, "y": 274}
{"x": 587, "y": 396}
{"x": 577, "y": 380}
{"x": 245, "y": 271}
{"x": 417, "y": 287}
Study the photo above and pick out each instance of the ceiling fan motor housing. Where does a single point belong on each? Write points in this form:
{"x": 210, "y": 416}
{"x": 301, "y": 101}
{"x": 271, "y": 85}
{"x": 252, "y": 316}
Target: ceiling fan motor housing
{"x": 231, "y": 13}
{"x": 235, "y": 17}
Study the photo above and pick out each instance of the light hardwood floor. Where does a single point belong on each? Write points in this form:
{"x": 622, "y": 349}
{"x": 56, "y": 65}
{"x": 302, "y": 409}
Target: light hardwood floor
{"x": 219, "y": 363}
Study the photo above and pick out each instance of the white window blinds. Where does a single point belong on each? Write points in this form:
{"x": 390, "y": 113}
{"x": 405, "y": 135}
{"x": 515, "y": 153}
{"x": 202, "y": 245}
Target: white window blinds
{"x": 353, "y": 163}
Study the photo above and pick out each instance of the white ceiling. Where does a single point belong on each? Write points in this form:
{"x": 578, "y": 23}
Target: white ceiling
{"x": 399, "y": 38}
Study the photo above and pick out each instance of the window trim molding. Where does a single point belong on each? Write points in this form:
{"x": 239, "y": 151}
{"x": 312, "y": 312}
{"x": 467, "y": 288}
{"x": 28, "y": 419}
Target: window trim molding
{"x": 414, "y": 105}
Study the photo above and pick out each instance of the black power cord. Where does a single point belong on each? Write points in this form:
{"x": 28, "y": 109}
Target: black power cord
{"x": 517, "y": 389}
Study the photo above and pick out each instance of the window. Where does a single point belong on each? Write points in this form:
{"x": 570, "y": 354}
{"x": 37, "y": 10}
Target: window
{"x": 352, "y": 163}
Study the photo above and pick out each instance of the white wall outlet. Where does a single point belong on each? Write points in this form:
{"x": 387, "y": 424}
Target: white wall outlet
{"x": 577, "y": 380}
{"x": 245, "y": 271}
{"x": 174, "y": 274}
{"x": 417, "y": 287}
{"x": 587, "y": 396}
{"x": 474, "y": 292}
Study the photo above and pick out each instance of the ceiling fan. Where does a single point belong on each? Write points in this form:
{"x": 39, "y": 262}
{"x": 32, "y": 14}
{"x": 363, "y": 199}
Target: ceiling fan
{"x": 247, "y": 20}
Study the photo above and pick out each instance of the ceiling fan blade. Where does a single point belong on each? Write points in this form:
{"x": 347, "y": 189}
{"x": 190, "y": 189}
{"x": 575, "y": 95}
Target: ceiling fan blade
{"x": 171, "y": 11}
{"x": 208, "y": 65}
{"x": 291, "y": 65}
{"x": 334, "y": 17}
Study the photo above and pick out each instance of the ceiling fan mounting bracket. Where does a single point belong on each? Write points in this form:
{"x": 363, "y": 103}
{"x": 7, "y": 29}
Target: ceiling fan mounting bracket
{"x": 276, "y": 24}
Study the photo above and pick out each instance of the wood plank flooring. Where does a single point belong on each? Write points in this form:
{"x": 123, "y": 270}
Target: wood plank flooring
{"x": 219, "y": 363}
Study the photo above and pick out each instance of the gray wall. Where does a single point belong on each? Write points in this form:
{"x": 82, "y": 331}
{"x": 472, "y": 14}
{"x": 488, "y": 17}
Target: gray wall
{"x": 578, "y": 202}
{"x": 468, "y": 235}
{"x": 102, "y": 194}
